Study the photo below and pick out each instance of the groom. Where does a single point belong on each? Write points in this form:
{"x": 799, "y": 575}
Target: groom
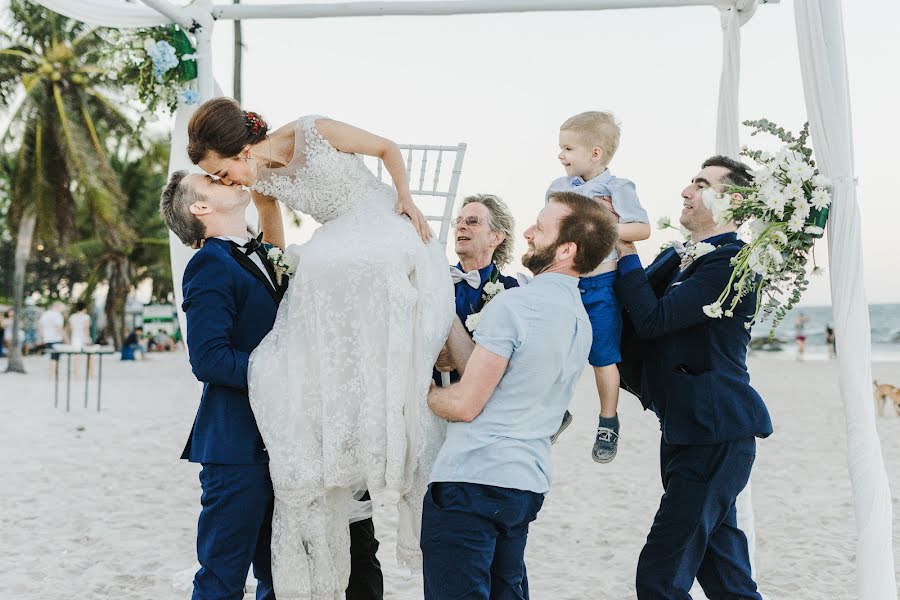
{"x": 692, "y": 370}
{"x": 231, "y": 296}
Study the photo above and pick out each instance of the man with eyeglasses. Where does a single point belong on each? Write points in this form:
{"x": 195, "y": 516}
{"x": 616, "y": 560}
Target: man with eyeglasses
{"x": 483, "y": 238}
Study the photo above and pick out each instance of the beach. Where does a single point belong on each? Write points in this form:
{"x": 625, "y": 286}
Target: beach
{"x": 98, "y": 505}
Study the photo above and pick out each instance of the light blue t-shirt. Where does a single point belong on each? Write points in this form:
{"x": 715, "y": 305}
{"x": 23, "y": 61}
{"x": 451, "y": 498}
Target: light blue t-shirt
{"x": 544, "y": 331}
{"x": 622, "y": 192}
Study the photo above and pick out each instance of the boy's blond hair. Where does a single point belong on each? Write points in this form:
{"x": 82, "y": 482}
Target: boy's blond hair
{"x": 599, "y": 129}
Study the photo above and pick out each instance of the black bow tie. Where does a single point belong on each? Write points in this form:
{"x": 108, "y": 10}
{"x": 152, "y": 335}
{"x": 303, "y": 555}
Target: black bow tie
{"x": 253, "y": 245}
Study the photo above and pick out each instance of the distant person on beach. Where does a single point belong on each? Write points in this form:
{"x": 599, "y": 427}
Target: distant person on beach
{"x": 31, "y": 316}
{"x": 4, "y": 338}
{"x": 133, "y": 344}
{"x": 830, "y": 341}
{"x": 800, "y": 334}
{"x": 693, "y": 373}
{"x": 80, "y": 335}
{"x": 52, "y": 331}
{"x": 587, "y": 143}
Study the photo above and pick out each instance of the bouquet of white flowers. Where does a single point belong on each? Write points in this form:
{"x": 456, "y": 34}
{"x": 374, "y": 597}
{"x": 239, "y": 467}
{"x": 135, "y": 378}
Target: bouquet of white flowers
{"x": 786, "y": 209}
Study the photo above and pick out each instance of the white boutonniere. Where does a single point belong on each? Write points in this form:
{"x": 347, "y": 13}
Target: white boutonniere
{"x": 694, "y": 251}
{"x": 279, "y": 261}
{"x": 489, "y": 292}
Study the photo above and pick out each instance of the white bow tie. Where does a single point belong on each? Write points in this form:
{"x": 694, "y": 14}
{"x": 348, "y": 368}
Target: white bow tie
{"x": 473, "y": 278}
{"x": 680, "y": 248}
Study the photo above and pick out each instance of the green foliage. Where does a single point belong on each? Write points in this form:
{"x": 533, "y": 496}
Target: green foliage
{"x": 154, "y": 87}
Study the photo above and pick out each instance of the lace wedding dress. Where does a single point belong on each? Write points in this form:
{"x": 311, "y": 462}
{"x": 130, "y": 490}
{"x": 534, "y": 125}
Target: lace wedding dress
{"x": 339, "y": 386}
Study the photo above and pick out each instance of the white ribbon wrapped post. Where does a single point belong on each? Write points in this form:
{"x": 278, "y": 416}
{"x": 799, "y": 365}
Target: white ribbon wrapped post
{"x": 823, "y": 65}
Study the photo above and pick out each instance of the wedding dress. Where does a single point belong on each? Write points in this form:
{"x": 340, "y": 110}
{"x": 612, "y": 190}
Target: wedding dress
{"x": 338, "y": 387}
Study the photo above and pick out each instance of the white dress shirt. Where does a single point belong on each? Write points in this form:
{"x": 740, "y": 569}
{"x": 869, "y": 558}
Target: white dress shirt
{"x": 254, "y": 256}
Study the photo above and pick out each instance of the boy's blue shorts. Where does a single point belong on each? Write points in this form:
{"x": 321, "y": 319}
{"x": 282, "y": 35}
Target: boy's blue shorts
{"x": 605, "y": 313}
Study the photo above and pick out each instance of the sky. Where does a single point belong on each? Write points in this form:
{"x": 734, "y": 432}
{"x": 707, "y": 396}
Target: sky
{"x": 504, "y": 83}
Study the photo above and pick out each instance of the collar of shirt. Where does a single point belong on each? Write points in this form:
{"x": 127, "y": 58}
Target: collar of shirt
{"x": 722, "y": 238}
{"x": 485, "y": 272}
{"x": 240, "y": 241}
{"x": 562, "y": 278}
{"x": 601, "y": 179}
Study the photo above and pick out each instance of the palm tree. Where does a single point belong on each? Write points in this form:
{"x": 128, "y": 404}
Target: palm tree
{"x": 141, "y": 176}
{"x": 54, "y": 86}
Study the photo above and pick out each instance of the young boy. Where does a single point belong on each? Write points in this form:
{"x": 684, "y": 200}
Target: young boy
{"x": 588, "y": 142}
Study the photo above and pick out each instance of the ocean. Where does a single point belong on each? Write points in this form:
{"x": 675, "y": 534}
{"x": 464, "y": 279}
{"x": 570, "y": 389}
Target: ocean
{"x": 884, "y": 320}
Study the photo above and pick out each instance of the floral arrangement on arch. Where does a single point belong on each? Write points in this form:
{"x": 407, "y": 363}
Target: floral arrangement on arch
{"x": 161, "y": 65}
{"x": 785, "y": 210}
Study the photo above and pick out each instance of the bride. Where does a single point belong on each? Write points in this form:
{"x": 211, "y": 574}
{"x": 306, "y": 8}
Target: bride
{"x": 338, "y": 387}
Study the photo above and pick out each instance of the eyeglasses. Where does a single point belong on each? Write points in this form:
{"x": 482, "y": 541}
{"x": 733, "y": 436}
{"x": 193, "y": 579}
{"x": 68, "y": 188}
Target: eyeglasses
{"x": 469, "y": 221}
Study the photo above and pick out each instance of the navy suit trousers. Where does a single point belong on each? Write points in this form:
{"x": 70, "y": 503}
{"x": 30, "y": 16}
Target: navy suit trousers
{"x": 234, "y": 530}
{"x": 473, "y": 541}
{"x": 695, "y": 533}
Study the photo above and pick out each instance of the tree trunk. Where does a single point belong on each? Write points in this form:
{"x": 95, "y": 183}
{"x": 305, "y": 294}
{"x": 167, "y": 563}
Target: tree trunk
{"x": 238, "y": 58}
{"x": 119, "y": 280}
{"x": 23, "y": 251}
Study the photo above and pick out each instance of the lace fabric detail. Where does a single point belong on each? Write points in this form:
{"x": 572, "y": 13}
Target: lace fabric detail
{"x": 320, "y": 180}
{"x": 338, "y": 387}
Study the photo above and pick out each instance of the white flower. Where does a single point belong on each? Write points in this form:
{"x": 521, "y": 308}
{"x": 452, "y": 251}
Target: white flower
{"x": 664, "y": 222}
{"x": 794, "y": 170}
{"x": 780, "y": 237}
{"x": 765, "y": 156}
{"x": 729, "y": 313}
{"x": 817, "y": 271}
{"x": 775, "y": 256}
{"x": 756, "y": 263}
{"x": 820, "y": 181}
{"x": 776, "y": 203}
{"x": 801, "y": 207}
{"x": 472, "y": 321}
{"x": 820, "y": 198}
{"x": 719, "y": 204}
{"x": 756, "y": 227}
{"x": 796, "y": 222}
{"x": 762, "y": 174}
{"x": 713, "y": 311}
{"x": 807, "y": 172}
{"x": 794, "y": 190}
{"x": 274, "y": 253}
{"x": 813, "y": 230}
{"x": 492, "y": 288}
{"x": 701, "y": 248}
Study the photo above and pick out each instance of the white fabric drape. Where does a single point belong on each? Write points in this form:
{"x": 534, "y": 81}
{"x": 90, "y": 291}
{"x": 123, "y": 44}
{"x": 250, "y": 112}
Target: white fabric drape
{"x": 728, "y": 143}
{"x": 820, "y": 35}
{"x": 727, "y": 140}
{"x": 180, "y": 254}
{"x": 107, "y": 13}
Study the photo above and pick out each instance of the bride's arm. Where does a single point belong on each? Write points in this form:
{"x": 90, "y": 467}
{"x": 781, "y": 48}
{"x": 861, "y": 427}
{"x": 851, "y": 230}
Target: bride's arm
{"x": 270, "y": 221}
{"x": 354, "y": 140}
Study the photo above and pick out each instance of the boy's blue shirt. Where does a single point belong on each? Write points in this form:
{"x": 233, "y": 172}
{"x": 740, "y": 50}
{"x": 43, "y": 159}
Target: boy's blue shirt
{"x": 622, "y": 192}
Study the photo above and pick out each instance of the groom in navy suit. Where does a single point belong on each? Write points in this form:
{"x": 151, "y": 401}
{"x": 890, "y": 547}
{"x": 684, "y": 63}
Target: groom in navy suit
{"x": 231, "y": 296}
{"x": 691, "y": 369}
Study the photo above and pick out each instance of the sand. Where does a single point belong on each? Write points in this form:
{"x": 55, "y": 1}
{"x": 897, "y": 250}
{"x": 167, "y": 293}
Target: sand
{"x": 97, "y": 505}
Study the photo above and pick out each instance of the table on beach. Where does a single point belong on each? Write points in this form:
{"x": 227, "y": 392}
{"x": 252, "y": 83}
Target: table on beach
{"x": 89, "y": 351}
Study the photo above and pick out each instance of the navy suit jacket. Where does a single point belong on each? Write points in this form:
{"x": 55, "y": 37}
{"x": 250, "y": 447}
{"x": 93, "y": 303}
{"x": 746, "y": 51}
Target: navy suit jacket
{"x": 230, "y": 307}
{"x": 693, "y": 369}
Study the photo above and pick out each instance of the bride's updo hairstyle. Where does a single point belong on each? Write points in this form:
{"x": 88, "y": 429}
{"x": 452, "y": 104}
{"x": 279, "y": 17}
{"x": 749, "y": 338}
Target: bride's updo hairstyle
{"x": 221, "y": 126}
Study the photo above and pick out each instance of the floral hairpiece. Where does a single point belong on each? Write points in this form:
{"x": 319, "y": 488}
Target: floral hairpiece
{"x": 253, "y": 122}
